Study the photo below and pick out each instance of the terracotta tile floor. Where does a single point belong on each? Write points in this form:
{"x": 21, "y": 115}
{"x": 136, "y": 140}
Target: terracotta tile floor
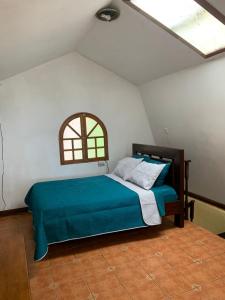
{"x": 159, "y": 263}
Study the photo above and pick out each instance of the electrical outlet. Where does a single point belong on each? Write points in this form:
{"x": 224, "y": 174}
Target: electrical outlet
{"x": 101, "y": 164}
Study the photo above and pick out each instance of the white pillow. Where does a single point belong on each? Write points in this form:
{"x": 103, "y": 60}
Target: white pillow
{"x": 125, "y": 166}
{"x": 145, "y": 174}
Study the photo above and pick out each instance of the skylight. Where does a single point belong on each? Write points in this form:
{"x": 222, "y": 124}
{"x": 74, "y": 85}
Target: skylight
{"x": 187, "y": 20}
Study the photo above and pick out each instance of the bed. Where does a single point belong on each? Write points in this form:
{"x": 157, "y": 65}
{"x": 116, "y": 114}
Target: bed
{"x": 83, "y": 207}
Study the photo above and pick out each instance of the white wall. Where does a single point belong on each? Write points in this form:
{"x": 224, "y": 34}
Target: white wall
{"x": 34, "y": 104}
{"x": 191, "y": 104}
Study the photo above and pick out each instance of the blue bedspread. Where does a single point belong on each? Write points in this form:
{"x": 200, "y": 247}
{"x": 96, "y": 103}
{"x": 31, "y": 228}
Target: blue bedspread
{"x": 75, "y": 208}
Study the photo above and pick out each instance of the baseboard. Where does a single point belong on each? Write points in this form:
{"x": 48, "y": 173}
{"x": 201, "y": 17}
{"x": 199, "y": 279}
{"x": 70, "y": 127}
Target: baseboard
{"x": 10, "y": 212}
{"x": 207, "y": 200}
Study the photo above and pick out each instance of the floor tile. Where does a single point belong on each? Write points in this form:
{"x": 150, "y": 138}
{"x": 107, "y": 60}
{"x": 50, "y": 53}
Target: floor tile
{"x": 146, "y": 291}
{"x": 42, "y": 294}
{"x": 173, "y": 283}
{"x": 177, "y": 257}
{"x": 116, "y": 294}
{"x": 93, "y": 262}
{"x": 197, "y": 273}
{"x": 153, "y": 263}
{"x": 106, "y": 283}
{"x": 60, "y": 260}
{"x": 216, "y": 266}
{"x": 212, "y": 291}
{"x": 198, "y": 251}
{"x": 41, "y": 278}
{"x": 147, "y": 295}
{"x": 66, "y": 273}
{"x": 73, "y": 290}
{"x": 109, "y": 296}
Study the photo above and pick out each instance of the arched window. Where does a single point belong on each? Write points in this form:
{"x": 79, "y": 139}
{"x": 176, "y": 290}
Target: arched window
{"x": 83, "y": 138}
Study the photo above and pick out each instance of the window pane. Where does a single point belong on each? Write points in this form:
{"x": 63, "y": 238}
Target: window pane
{"x": 77, "y": 144}
{"x": 91, "y": 143}
{"x": 101, "y": 152}
{"x": 75, "y": 123}
{"x": 90, "y": 123}
{"x": 68, "y": 155}
{"x": 91, "y": 153}
{"x": 100, "y": 142}
{"x": 67, "y": 144}
{"x": 78, "y": 154}
{"x": 69, "y": 133}
{"x": 189, "y": 20}
{"x": 97, "y": 131}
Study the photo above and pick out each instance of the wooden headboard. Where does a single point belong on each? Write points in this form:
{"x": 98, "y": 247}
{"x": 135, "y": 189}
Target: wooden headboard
{"x": 175, "y": 178}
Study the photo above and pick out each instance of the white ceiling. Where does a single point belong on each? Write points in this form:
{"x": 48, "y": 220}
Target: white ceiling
{"x": 136, "y": 48}
{"x": 33, "y": 32}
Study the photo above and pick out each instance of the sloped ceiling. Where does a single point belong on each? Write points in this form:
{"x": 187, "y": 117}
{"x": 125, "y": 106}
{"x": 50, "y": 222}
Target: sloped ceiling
{"x": 136, "y": 48}
{"x": 33, "y": 32}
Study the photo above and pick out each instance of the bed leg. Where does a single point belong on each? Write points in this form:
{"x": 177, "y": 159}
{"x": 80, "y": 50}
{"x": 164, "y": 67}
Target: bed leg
{"x": 179, "y": 220}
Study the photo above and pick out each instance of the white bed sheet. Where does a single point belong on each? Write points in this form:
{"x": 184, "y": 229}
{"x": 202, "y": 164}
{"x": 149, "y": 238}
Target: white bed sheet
{"x": 147, "y": 200}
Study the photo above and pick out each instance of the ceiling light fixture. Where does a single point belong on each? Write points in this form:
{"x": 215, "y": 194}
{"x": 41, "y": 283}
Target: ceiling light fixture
{"x": 107, "y": 14}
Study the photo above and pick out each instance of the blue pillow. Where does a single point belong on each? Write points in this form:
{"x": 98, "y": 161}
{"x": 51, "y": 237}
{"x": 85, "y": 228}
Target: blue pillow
{"x": 146, "y": 157}
{"x": 162, "y": 176}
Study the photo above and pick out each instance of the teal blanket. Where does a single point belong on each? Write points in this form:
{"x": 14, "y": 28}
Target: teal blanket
{"x": 75, "y": 208}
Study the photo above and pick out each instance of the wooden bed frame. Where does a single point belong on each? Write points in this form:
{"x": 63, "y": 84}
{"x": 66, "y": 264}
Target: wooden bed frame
{"x": 175, "y": 178}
